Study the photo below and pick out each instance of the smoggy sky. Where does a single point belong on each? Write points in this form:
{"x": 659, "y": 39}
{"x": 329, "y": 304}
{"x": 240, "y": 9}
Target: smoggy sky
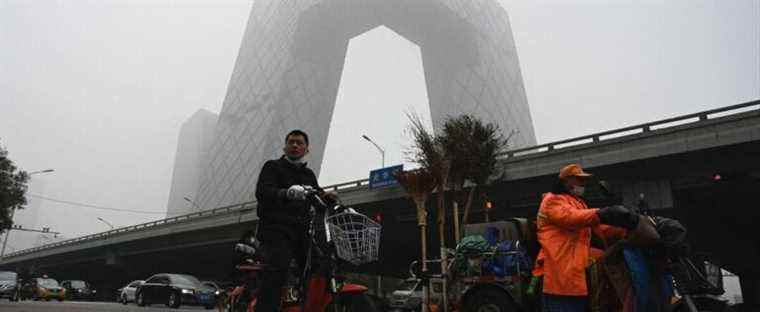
{"x": 98, "y": 90}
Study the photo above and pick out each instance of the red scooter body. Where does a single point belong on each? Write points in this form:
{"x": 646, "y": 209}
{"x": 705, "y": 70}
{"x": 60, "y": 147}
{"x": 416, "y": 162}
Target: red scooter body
{"x": 317, "y": 294}
{"x": 322, "y": 286}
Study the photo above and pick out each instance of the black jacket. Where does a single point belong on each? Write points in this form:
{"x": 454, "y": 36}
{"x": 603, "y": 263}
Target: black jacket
{"x": 277, "y": 176}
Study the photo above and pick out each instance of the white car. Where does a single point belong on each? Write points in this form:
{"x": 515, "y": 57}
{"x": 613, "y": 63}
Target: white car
{"x": 127, "y": 293}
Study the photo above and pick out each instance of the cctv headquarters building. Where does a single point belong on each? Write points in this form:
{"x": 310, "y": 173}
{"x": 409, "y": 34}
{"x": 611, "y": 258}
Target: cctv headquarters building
{"x": 289, "y": 66}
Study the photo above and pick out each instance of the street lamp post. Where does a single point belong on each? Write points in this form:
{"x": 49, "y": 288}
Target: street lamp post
{"x": 106, "y": 222}
{"x": 187, "y": 199}
{"x": 382, "y": 152}
{"x": 41, "y": 171}
{"x": 13, "y": 213}
{"x": 382, "y": 155}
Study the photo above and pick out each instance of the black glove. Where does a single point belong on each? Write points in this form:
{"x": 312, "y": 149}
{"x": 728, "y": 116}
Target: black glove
{"x": 618, "y": 216}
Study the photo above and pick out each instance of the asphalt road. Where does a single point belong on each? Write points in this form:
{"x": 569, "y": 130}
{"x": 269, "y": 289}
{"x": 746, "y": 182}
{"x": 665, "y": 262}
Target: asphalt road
{"x": 73, "y": 306}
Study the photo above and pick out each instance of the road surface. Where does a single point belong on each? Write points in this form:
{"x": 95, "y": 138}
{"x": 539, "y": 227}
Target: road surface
{"x": 75, "y": 306}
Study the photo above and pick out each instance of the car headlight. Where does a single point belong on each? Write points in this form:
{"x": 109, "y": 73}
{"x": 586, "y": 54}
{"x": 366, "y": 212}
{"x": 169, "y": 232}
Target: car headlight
{"x": 187, "y": 291}
{"x": 217, "y": 293}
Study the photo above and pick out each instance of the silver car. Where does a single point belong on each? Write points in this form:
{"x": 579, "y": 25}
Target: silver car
{"x": 9, "y": 287}
{"x": 127, "y": 293}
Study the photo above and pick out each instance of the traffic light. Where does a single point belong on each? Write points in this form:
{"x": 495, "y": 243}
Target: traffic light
{"x": 488, "y": 205}
{"x": 732, "y": 177}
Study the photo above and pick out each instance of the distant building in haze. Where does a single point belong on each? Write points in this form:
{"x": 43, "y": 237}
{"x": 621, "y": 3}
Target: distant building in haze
{"x": 192, "y": 150}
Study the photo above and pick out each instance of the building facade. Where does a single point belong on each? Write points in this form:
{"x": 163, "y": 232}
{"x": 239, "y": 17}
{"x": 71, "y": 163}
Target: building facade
{"x": 193, "y": 145}
{"x": 289, "y": 66}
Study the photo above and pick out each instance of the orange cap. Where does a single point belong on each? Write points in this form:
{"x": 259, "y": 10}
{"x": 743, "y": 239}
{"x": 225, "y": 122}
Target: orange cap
{"x": 573, "y": 170}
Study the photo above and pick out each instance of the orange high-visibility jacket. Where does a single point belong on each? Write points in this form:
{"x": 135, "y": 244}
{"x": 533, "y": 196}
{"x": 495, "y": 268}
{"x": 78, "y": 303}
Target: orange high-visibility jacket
{"x": 564, "y": 231}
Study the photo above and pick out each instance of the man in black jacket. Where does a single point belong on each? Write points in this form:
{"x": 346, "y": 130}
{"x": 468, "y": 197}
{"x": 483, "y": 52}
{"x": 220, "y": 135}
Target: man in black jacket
{"x": 282, "y": 212}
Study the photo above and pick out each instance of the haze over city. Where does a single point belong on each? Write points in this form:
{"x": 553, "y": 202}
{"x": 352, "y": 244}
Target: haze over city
{"x": 98, "y": 90}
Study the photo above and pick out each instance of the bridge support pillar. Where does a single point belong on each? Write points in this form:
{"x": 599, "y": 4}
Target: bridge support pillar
{"x": 750, "y": 284}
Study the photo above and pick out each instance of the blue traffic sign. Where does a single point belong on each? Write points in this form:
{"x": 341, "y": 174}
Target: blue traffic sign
{"x": 383, "y": 177}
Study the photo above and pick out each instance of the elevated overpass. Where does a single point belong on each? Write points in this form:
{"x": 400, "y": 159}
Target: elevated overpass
{"x": 674, "y": 162}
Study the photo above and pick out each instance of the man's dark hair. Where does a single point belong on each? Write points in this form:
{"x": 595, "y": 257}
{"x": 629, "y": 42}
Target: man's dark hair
{"x": 298, "y": 132}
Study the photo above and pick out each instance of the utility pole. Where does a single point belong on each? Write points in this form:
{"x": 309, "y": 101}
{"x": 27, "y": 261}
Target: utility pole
{"x": 13, "y": 213}
{"x": 45, "y": 230}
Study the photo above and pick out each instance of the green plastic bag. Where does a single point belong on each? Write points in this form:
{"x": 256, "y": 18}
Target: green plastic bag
{"x": 469, "y": 246}
{"x": 472, "y": 245}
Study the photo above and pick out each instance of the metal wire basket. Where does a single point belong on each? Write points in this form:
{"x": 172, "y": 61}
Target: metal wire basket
{"x": 356, "y": 237}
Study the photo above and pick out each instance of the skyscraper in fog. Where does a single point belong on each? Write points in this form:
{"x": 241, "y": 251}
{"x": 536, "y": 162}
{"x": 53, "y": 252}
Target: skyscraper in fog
{"x": 193, "y": 144}
{"x": 289, "y": 65}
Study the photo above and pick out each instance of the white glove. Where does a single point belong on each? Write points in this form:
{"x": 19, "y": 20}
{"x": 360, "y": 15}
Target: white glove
{"x": 296, "y": 192}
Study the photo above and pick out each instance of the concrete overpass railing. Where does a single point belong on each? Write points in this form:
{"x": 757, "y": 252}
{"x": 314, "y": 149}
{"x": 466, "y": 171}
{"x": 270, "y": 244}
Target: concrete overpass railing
{"x": 138, "y": 227}
{"x": 596, "y": 138}
{"x": 170, "y": 221}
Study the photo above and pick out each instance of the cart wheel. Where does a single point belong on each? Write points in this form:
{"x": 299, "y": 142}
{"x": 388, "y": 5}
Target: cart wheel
{"x": 489, "y": 300}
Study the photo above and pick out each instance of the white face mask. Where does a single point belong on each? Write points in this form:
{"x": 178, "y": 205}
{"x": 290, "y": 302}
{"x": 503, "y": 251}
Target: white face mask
{"x": 578, "y": 190}
{"x": 296, "y": 161}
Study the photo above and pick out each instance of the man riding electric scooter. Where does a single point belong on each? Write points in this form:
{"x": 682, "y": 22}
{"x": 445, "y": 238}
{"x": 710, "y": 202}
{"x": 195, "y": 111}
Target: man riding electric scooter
{"x": 283, "y": 214}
